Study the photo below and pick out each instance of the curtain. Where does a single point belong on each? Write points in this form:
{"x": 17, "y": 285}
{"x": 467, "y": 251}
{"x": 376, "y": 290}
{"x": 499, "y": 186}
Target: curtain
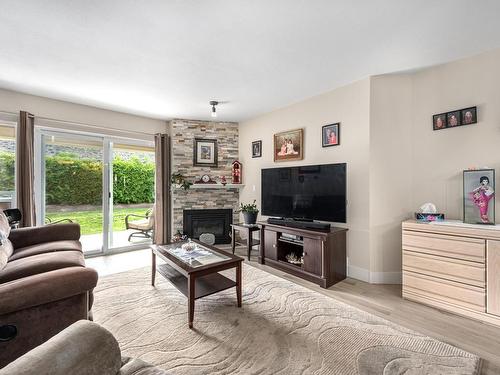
{"x": 25, "y": 169}
{"x": 162, "y": 230}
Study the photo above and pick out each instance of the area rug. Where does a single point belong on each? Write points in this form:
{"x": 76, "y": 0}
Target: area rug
{"x": 282, "y": 328}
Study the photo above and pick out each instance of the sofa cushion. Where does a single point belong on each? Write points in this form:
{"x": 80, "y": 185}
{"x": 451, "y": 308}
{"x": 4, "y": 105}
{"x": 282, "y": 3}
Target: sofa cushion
{"x": 40, "y": 263}
{"x": 82, "y": 348}
{"x": 46, "y": 247}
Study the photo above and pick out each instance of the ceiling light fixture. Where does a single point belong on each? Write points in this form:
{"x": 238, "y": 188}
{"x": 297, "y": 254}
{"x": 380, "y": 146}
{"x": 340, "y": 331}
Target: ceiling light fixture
{"x": 213, "y": 103}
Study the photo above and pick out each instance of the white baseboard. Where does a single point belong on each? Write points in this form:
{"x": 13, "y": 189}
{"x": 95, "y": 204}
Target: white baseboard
{"x": 385, "y": 277}
{"x": 358, "y": 273}
{"x": 363, "y": 274}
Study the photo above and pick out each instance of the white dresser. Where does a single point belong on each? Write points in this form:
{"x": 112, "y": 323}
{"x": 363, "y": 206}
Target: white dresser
{"x": 454, "y": 268}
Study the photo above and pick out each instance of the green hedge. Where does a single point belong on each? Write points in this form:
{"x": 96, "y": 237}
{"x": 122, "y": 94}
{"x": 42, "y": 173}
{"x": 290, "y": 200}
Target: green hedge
{"x": 70, "y": 180}
{"x": 7, "y": 165}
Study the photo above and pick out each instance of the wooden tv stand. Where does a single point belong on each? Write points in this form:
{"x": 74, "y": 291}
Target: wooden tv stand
{"x": 324, "y": 252}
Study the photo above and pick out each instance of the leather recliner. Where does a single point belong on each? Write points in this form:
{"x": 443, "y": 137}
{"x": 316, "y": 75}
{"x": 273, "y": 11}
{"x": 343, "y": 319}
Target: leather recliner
{"x": 44, "y": 287}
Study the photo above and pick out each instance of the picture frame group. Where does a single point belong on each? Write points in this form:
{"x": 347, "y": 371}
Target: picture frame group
{"x": 289, "y": 145}
{"x": 453, "y": 119}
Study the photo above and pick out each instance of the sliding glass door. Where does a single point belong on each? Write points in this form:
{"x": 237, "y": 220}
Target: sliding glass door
{"x": 73, "y": 185}
{"x": 132, "y": 173}
{"x": 104, "y": 184}
{"x": 7, "y": 164}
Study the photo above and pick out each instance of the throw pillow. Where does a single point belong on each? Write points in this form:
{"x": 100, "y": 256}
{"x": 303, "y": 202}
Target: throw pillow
{"x": 5, "y": 245}
{"x": 4, "y": 227}
{"x": 6, "y": 251}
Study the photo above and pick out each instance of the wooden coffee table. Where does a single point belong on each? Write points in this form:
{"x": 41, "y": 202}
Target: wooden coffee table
{"x": 196, "y": 274}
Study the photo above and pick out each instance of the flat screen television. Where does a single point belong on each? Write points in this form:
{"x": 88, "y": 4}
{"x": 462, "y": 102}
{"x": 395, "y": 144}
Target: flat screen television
{"x": 313, "y": 192}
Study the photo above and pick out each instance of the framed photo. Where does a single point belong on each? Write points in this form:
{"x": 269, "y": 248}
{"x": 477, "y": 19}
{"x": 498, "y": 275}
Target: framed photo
{"x": 256, "y": 149}
{"x": 205, "y": 152}
{"x": 289, "y": 145}
{"x": 453, "y": 119}
{"x": 468, "y": 116}
{"x": 439, "y": 121}
{"x": 330, "y": 135}
{"x": 479, "y": 196}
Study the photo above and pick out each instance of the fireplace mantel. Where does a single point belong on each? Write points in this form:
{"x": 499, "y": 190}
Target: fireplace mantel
{"x": 216, "y": 186}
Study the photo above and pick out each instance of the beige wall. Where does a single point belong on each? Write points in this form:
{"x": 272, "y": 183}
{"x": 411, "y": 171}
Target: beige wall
{"x": 11, "y": 101}
{"x": 390, "y": 172}
{"x": 440, "y": 156}
{"x": 396, "y": 162}
{"x": 350, "y": 106}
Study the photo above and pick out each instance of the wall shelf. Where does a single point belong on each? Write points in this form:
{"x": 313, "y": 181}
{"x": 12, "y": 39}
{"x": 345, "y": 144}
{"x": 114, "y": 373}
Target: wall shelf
{"x": 216, "y": 186}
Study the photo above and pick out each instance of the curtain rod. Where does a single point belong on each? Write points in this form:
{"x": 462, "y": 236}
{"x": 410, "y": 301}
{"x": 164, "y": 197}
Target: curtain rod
{"x": 92, "y": 126}
{"x": 82, "y": 124}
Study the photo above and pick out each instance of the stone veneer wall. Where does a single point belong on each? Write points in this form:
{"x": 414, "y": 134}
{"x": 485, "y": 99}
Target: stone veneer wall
{"x": 183, "y": 133}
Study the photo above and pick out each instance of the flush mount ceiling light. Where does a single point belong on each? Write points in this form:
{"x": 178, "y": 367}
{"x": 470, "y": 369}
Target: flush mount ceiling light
{"x": 214, "y": 103}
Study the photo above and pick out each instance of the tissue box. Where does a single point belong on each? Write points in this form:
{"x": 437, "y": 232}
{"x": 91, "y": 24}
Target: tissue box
{"x": 428, "y": 217}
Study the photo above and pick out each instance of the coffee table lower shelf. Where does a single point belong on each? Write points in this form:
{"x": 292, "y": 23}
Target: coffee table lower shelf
{"x": 204, "y": 285}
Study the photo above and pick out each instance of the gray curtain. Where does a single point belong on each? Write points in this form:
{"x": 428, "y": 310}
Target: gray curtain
{"x": 162, "y": 230}
{"x": 25, "y": 169}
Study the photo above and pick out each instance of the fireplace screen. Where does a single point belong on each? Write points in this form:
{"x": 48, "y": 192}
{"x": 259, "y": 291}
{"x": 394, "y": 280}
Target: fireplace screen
{"x": 215, "y": 221}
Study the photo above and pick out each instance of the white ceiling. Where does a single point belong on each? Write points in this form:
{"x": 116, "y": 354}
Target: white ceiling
{"x": 168, "y": 58}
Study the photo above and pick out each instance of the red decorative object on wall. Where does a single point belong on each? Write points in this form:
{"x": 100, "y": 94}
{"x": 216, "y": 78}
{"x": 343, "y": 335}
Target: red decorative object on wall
{"x": 236, "y": 172}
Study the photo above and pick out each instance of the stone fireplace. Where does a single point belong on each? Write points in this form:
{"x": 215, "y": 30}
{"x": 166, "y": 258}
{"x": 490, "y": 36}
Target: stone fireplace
{"x": 183, "y": 133}
{"x": 215, "y": 221}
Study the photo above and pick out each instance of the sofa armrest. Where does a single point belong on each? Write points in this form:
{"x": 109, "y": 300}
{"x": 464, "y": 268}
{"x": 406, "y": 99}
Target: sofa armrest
{"x": 45, "y": 287}
{"x": 29, "y": 236}
{"x": 82, "y": 348}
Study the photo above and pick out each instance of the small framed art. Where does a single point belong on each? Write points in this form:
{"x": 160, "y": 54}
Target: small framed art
{"x": 330, "y": 135}
{"x": 289, "y": 145}
{"x": 468, "y": 116}
{"x": 439, "y": 121}
{"x": 205, "y": 152}
{"x": 453, "y": 119}
{"x": 256, "y": 149}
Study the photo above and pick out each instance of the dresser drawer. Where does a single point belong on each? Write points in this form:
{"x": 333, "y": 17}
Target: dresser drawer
{"x": 446, "y": 291}
{"x": 465, "y": 248}
{"x": 462, "y": 271}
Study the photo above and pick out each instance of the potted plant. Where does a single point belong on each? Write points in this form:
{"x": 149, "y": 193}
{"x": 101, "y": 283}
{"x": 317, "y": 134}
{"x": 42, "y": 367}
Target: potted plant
{"x": 250, "y": 212}
{"x": 179, "y": 181}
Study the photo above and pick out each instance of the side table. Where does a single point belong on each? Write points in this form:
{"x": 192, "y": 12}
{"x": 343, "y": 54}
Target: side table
{"x": 248, "y": 230}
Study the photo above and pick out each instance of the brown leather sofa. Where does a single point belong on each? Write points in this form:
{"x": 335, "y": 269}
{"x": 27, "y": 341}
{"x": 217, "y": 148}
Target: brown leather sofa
{"x": 84, "y": 348}
{"x": 44, "y": 287}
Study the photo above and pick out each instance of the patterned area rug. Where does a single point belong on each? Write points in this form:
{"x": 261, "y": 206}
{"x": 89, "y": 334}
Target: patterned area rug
{"x": 282, "y": 328}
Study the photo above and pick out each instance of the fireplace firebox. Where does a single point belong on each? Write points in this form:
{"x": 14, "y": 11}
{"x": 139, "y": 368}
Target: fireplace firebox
{"x": 215, "y": 221}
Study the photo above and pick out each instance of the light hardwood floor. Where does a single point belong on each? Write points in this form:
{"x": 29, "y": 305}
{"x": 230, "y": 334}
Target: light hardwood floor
{"x": 381, "y": 300}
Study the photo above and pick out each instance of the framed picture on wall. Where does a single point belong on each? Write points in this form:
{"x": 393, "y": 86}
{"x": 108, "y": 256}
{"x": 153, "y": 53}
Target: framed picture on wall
{"x": 256, "y": 149}
{"x": 205, "y": 152}
{"x": 479, "y": 196}
{"x": 439, "y": 121}
{"x": 469, "y": 116}
{"x": 330, "y": 135}
{"x": 289, "y": 145}
{"x": 453, "y": 119}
